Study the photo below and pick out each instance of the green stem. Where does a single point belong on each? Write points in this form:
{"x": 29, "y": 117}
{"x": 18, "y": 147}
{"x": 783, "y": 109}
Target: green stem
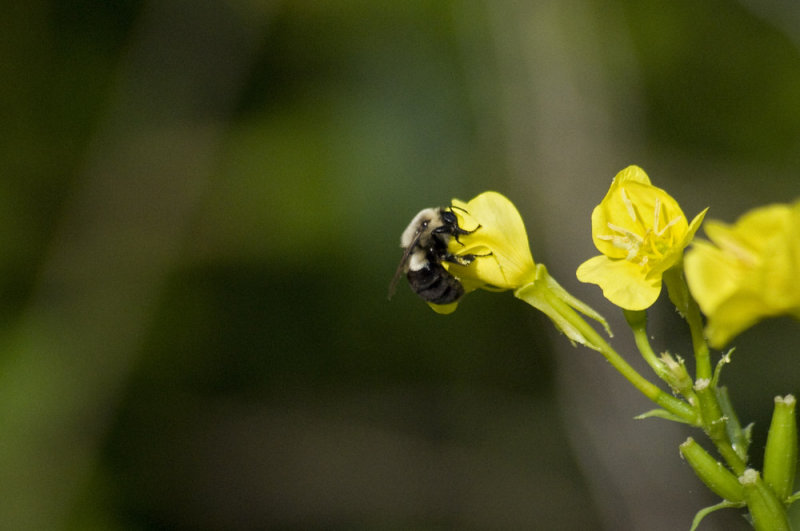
{"x": 682, "y": 298}
{"x": 702, "y": 355}
{"x": 638, "y": 323}
{"x": 730, "y": 456}
{"x": 766, "y": 510}
{"x": 670, "y": 370}
{"x": 713, "y": 421}
{"x": 675, "y": 406}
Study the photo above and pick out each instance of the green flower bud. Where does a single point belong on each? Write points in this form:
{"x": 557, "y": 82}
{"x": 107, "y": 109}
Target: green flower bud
{"x": 711, "y": 472}
{"x": 766, "y": 510}
{"x": 780, "y": 456}
{"x": 676, "y": 374}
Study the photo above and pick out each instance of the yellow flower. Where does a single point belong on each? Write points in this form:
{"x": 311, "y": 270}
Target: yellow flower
{"x": 641, "y": 231}
{"x": 498, "y": 239}
{"x": 748, "y": 271}
{"x": 502, "y": 261}
{"x": 500, "y": 246}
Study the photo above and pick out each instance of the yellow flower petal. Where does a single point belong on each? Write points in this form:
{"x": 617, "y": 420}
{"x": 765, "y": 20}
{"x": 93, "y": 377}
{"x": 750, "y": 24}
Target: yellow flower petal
{"x": 633, "y": 174}
{"x": 712, "y": 276}
{"x": 444, "y": 309}
{"x": 741, "y": 311}
{"x": 750, "y": 270}
{"x": 621, "y": 282}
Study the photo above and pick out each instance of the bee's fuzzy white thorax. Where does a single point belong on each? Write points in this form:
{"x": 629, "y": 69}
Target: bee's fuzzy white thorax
{"x": 434, "y": 218}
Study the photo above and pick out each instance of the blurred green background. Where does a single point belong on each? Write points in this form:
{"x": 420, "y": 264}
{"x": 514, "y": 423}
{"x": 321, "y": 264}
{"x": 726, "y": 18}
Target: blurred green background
{"x": 200, "y": 213}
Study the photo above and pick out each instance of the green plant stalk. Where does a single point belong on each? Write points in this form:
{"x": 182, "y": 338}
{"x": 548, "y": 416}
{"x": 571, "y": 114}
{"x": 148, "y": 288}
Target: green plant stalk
{"x": 638, "y": 323}
{"x": 679, "y": 294}
{"x": 729, "y": 454}
{"x": 713, "y": 421}
{"x": 714, "y": 424}
{"x": 673, "y": 405}
{"x": 682, "y": 298}
{"x": 768, "y": 513}
{"x": 702, "y": 355}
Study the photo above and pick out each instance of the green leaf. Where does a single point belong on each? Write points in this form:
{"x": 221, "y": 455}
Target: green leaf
{"x": 661, "y": 414}
{"x": 702, "y": 513}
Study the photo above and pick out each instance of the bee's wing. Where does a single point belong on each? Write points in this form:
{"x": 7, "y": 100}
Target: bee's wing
{"x": 403, "y": 262}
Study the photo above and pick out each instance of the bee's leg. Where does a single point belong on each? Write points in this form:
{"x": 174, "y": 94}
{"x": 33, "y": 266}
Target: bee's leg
{"x": 453, "y": 228}
{"x": 462, "y": 260}
{"x": 458, "y": 231}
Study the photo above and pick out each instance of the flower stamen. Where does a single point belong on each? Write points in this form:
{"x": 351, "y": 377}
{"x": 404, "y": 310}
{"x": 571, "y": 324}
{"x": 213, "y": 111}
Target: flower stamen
{"x": 669, "y": 225}
{"x": 626, "y": 240}
{"x": 628, "y": 205}
{"x": 656, "y": 212}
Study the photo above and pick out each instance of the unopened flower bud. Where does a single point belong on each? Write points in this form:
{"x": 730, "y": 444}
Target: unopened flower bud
{"x": 711, "y": 472}
{"x": 780, "y": 456}
{"x": 765, "y": 508}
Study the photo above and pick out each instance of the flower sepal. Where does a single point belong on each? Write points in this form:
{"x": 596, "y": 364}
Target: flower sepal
{"x": 547, "y": 296}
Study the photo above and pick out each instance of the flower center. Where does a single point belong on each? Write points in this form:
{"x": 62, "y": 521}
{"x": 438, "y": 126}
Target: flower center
{"x": 645, "y": 242}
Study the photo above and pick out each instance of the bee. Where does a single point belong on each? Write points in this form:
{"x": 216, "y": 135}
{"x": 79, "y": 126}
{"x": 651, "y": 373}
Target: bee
{"x": 424, "y": 244}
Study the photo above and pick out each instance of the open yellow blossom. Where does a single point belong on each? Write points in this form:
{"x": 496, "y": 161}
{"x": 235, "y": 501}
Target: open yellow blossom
{"x": 497, "y": 239}
{"x": 642, "y": 232}
{"x": 500, "y": 243}
{"x": 748, "y": 271}
{"x": 502, "y": 261}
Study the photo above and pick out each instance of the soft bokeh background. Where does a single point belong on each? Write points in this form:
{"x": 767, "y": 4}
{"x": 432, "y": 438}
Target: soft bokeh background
{"x": 200, "y": 209}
